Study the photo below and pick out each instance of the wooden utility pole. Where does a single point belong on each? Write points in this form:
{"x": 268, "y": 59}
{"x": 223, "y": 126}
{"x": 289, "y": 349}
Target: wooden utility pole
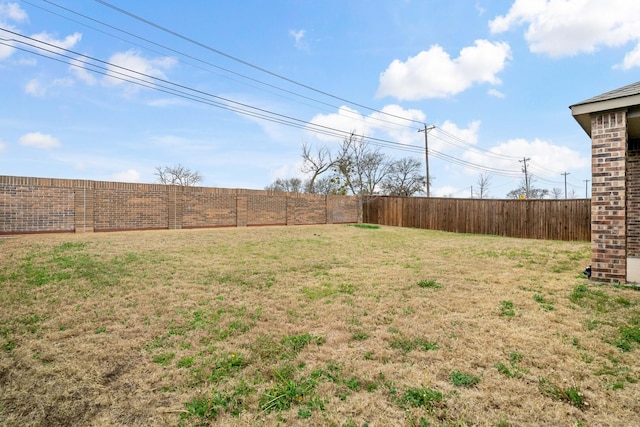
{"x": 565, "y": 184}
{"x": 426, "y": 154}
{"x": 526, "y": 176}
{"x": 586, "y": 191}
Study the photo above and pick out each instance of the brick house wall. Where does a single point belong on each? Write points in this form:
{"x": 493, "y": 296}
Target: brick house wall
{"x": 40, "y": 205}
{"x": 633, "y": 198}
{"x": 608, "y": 199}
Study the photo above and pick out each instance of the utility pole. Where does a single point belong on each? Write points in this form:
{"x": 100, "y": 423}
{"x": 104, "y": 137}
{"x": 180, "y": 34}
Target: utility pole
{"x": 565, "y": 184}
{"x": 586, "y": 192}
{"x": 426, "y": 153}
{"x": 526, "y": 176}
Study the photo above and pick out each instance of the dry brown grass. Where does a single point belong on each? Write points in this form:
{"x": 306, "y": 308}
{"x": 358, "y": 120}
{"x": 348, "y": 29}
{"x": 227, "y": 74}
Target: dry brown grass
{"x": 315, "y": 325}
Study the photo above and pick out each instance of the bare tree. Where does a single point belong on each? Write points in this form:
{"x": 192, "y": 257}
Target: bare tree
{"x": 528, "y": 191}
{"x": 291, "y": 185}
{"x": 360, "y": 169}
{"x": 177, "y": 175}
{"x": 315, "y": 164}
{"x": 325, "y": 185}
{"x": 484, "y": 180}
{"x": 404, "y": 178}
{"x": 556, "y": 193}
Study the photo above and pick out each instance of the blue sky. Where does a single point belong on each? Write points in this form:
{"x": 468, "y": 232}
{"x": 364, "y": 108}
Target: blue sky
{"x": 495, "y": 78}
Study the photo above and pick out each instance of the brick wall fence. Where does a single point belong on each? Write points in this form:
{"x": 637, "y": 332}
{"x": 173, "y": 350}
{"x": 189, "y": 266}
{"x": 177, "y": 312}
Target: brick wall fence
{"x": 46, "y": 205}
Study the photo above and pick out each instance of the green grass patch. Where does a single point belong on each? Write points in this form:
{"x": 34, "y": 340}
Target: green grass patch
{"x": 461, "y": 379}
{"x": 512, "y": 368}
{"x": 429, "y": 284}
{"x": 366, "y": 226}
{"x": 571, "y": 394}
{"x": 421, "y": 397}
{"x": 507, "y": 309}
{"x": 406, "y": 344}
{"x": 544, "y": 303}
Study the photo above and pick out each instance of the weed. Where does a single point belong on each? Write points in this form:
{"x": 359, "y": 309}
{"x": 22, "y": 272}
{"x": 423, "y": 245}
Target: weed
{"x": 304, "y": 413}
{"x": 164, "y": 359}
{"x": 349, "y": 423}
{"x": 540, "y": 299}
{"x": 360, "y": 336}
{"x": 512, "y": 370}
{"x": 461, "y": 379}
{"x": 421, "y": 396}
{"x": 185, "y": 362}
{"x": 595, "y": 299}
{"x": 407, "y": 344}
{"x": 8, "y": 346}
{"x": 227, "y": 364}
{"x": 429, "y": 284}
{"x": 323, "y": 291}
{"x": 571, "y": 395}
{"x": 267, "y": 349}
{"x": 297, "y": 342}
{"x": 286, "y": 393}
{"x": 208, "y": 408}
{"x": 507, "y": 309}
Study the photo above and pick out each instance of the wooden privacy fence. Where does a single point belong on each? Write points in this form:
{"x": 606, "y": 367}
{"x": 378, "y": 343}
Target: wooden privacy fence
{"x": 568, "y": 219}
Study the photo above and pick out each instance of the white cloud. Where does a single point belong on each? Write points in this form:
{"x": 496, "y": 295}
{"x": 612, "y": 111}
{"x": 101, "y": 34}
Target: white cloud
{"x": 496, "y": 93}
{"x": 2, "y": 146}
{"x": 631, "y": 59}
{"x": 345, "y": 120}
{"x": 39, "y": 140}
{"x": 12, "y": 12}
{"x": 389, "y": 121}
{"x": 392, "y": 127}
{"x": 130, "y": 175}
{"x": 563, "y": 28}
{"x": 288, "y": 171}
{"x": 468, "y": 135}
{"x": 35, "y": 88}
{"x": 300, "y": 42}
{"x": 78, "y": 69}
{"x": 66, "y": 43}
{"x": 547, "y": 159}
{"x": 433, "y": 74}
{"x": 6, "y": 51}
{"x": 132, "y": 64}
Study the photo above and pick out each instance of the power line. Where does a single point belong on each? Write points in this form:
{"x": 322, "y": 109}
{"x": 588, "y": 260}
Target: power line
{"x": 181, "y": 53}
{"x": 241, "y": 61}
{"x": 145, "y": 80}
{"x": 462, "y": 144}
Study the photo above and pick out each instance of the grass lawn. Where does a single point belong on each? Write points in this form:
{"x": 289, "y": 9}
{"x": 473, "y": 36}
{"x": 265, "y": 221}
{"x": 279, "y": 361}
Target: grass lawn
{"x": 313, "y": 325}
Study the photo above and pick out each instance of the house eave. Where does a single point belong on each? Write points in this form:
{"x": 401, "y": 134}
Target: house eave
{"x": 582, "y": 111}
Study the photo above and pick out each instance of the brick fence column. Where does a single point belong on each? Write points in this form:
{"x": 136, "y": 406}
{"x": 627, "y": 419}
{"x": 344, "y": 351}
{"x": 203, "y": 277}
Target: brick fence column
{"x": 242, "y": 210}
{"x": 174, "y": 207}
{"x": 608, "y": 199}
{"x": 291, "y": 209}
{"x": 83, "y": 207}
{"x": 329, "y": 208}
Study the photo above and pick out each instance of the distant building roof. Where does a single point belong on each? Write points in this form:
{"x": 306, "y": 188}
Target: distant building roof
{"x": 626, "y": 97}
